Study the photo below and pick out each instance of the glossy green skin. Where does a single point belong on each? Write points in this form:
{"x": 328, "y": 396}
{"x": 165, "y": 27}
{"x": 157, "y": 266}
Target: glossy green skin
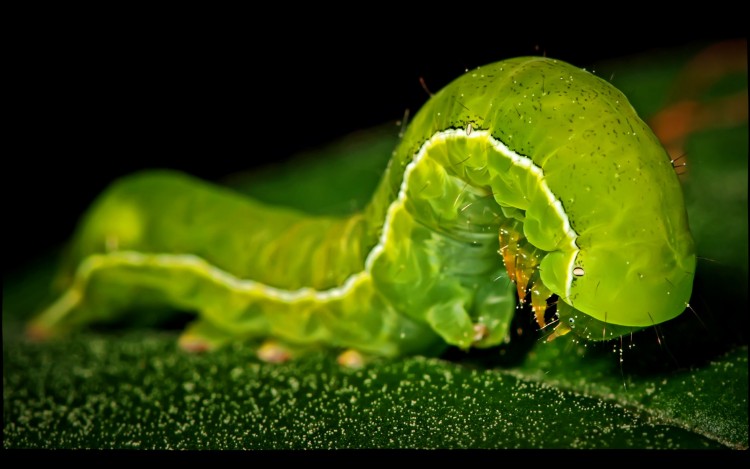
{"x": 434, "y": 273}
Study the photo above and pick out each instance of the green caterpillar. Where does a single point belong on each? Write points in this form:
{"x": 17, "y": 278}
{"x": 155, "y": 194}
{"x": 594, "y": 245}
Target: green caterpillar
{"x": 527, "y": 171}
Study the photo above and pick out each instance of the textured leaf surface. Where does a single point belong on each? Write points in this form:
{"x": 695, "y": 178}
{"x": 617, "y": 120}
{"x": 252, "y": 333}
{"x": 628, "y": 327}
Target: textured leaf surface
{"x": 137, "y": 391}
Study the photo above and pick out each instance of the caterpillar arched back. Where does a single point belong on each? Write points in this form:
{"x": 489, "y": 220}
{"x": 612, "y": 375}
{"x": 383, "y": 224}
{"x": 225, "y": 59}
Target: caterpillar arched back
{"x": 528, "y": 169}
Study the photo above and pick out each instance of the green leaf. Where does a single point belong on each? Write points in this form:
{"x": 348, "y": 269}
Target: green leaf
{"x": 681, "y": 385}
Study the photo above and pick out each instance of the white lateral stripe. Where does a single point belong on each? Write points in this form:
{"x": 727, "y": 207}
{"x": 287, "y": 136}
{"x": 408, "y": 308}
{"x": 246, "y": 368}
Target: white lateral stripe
{"x": 192, "y": 262}
{"x": 204, "y": 268}
{"x": 528, "y": 163}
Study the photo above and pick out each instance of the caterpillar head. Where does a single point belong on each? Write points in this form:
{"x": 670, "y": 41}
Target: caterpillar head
{"x": 635, "y": 261}
{"x": 609, "y": 290}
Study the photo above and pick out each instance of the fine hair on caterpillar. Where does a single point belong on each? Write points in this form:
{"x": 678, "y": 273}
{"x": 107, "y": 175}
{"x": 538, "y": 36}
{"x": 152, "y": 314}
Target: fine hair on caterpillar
{"x": 528, "y": 170}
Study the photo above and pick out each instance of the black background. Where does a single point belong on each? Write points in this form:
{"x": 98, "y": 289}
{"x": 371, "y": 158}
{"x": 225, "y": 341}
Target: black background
{"x": 96, "y": 97}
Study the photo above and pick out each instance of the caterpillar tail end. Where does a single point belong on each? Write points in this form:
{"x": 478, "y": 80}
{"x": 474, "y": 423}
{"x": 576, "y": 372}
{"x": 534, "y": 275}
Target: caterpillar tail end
{"x": 36, "y": 332}
{"x": 48, "y": 324}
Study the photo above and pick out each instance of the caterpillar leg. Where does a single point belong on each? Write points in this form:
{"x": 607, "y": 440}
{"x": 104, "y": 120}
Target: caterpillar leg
{"x": 522, "y": 261}
{"x": 273, "y": 351}
{"x": 351, "y": 359}
{"x": 560, "y": 330}
{"x": 202, "y": 336}
{"x": 539, "y": 296}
